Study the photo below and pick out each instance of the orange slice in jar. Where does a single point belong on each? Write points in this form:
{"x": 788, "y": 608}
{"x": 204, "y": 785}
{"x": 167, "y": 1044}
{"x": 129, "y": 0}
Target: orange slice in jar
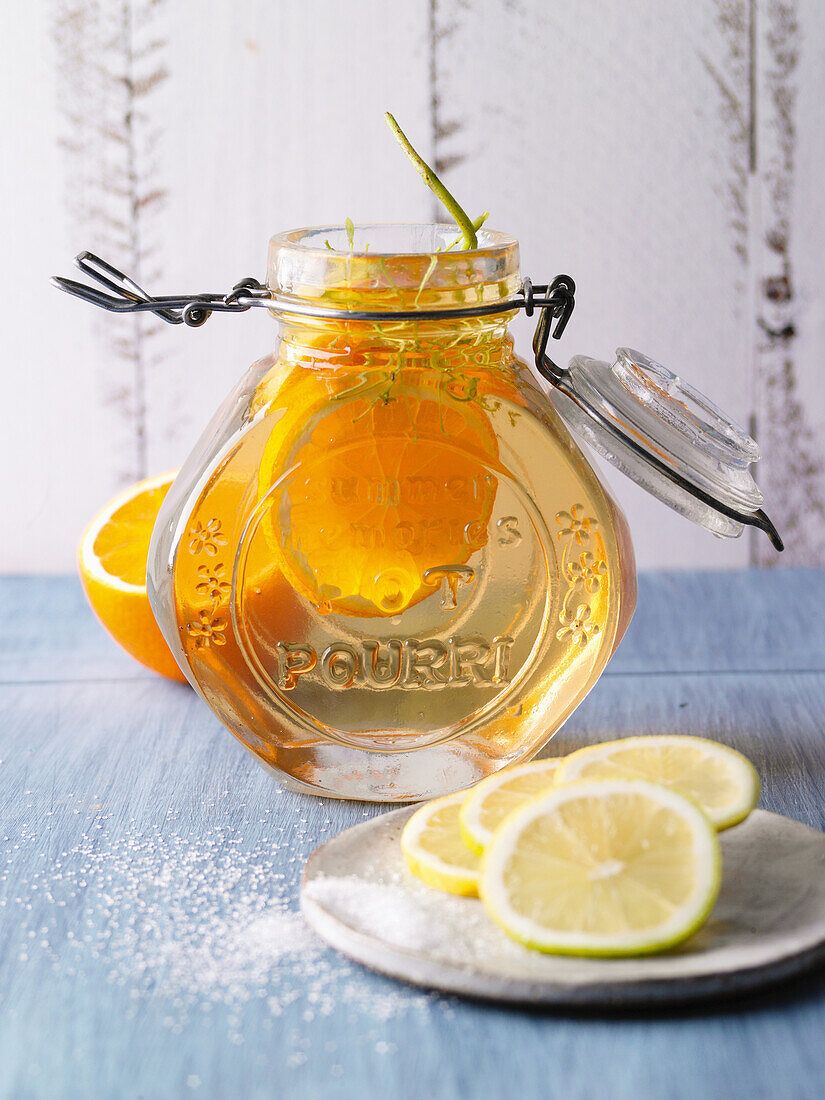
{"x": 377, "y": 482}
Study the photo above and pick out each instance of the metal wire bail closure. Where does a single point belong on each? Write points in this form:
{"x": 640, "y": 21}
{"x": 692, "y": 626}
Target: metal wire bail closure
{"x": 647, "y": 422}
{"x": 555, "y": 300}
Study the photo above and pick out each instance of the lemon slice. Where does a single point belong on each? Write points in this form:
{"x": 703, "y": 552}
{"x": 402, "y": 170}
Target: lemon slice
{"x": 606, "y": 867}
{"x": 487, "y": 805}
{"x": 434, "y": 851}
{"x": 720, "y": 780}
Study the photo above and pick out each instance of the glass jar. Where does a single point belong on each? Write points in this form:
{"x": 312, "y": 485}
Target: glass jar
{"x": 387, "y": 566}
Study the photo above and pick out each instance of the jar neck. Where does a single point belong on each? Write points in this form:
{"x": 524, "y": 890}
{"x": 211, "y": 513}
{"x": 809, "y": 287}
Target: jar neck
{"x": 339, "y": 346}
{"x": 386, "y": 269}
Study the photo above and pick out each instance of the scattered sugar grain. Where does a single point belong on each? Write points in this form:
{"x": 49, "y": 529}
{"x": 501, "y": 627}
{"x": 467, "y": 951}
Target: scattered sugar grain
{"x": 199, "y": 923}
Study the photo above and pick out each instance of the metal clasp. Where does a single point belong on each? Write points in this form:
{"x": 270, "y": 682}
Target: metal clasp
{"x": 560, "y": 296}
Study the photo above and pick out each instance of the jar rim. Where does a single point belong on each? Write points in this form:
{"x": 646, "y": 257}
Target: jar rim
{"x": 408, "y": 266}
{"x": 311, "y": 240}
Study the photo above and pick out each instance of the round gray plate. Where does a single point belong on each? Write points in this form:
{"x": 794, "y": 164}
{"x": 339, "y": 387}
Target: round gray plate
{"x": 768, "y": 924}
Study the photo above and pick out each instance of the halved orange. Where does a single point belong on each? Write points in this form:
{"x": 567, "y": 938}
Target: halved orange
{"x": 112, "y": 561}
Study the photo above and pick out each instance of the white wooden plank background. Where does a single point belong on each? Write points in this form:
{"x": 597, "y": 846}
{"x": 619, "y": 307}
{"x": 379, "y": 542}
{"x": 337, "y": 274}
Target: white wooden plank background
{"x": 670, "y": 157}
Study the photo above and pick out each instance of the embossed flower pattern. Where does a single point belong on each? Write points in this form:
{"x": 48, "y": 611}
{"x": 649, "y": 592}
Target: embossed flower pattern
{"x": 214, "y": 583}
{"x": 578, "y": 626}
{"x": 576, "y": 525}
{"x": 207, "y": 631}
{"x": 206, "y": 537}
{"x": 587, "y": 570}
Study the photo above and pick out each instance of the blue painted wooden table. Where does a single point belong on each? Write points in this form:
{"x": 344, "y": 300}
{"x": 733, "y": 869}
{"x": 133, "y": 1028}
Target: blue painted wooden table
{"x": 150, "y": 944}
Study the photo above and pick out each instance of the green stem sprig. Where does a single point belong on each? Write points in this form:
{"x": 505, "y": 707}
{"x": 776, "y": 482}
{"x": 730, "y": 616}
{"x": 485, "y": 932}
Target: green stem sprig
{"x": 468, "y": 230}
{"x": 477, "y": 224}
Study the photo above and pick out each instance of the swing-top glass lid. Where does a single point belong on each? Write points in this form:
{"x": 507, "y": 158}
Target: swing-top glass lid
{"x": 667, "y": 436}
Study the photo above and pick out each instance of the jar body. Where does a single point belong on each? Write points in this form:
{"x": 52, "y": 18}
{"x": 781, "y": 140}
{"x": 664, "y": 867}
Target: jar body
{"x": 387, "y": 566}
